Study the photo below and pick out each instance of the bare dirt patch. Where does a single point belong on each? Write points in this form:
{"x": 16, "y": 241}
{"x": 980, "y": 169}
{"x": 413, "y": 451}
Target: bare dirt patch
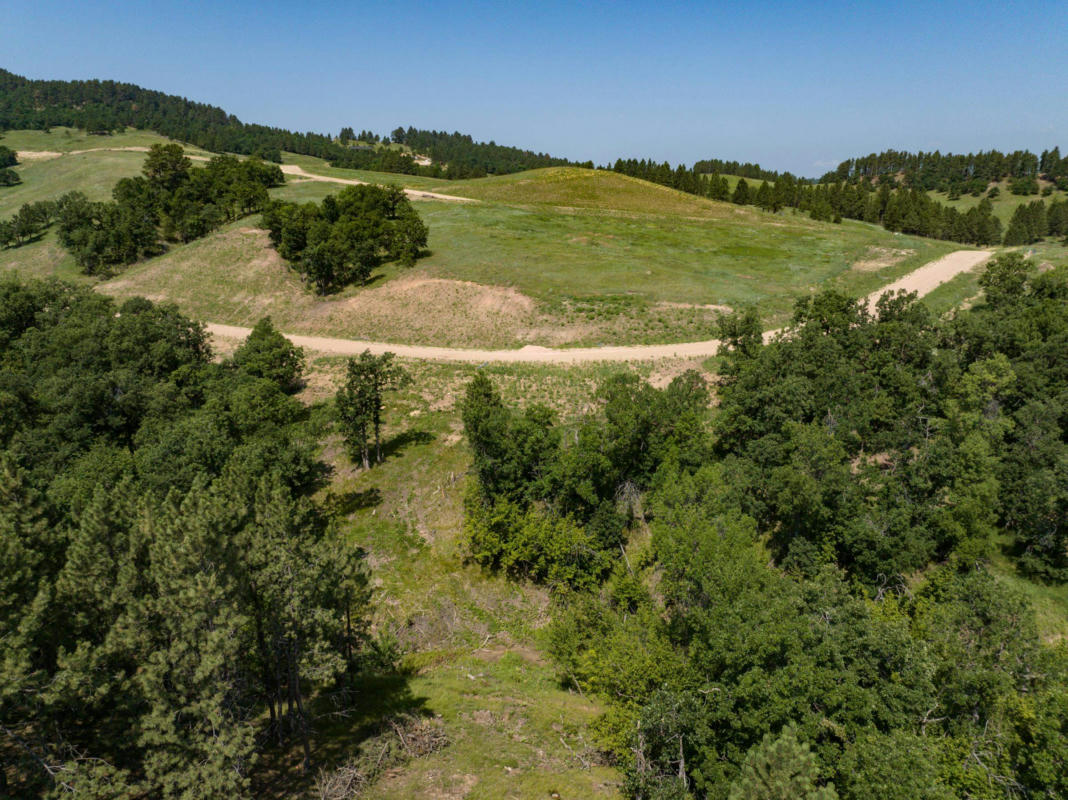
{"x": 702, "y": 306}
{"x": 36, "y": 155}
{"x": 435, "y": 307}
{"x": 881, "y": 257}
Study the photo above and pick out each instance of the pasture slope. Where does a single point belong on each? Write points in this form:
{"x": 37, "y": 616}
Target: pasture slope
{"x": 922, "y": 281}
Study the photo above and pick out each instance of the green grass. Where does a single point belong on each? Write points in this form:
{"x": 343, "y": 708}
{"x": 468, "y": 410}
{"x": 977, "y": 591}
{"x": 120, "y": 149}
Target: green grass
{"x": 734, "y": 256}
{"x": 64, "y": 140}
{"x": 1004, "y": 204}
{"x": 1047, "y": 254}
{"x": 963, "y": 289}
{"x": 1049, "y": 601}
{"x": 562, "y": 275}
{"x": 574, "y": 187}
{"x": 470, "y": 638}
{"x": 318, "y": 166}
{"x": 92, "y": 173}
{"x": 574, "y": 256}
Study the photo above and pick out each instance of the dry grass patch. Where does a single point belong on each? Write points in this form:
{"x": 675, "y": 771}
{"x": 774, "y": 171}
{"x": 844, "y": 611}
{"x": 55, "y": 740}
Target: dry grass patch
{"x": 878, "y": 258}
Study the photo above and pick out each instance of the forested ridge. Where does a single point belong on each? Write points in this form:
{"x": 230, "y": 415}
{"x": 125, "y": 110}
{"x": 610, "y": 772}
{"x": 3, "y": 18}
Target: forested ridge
{"x": 104, "y": 106}
{"x": 860, "y": 188}
{"x": 945, "y": 172}
{"x": 899, "y": 206}
{"x": 792, "y": 599}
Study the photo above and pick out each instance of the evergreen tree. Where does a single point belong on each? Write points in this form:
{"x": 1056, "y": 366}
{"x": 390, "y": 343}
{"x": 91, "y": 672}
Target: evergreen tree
{"x": 266, "y": 353}
{"x": 361, "y": 401}
{"x": 741, "y": 193}
{"x": 780, "y": 768}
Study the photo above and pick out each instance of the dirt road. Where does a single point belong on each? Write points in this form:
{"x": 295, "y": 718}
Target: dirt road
{"x": 922, "y": 281}
{"x": 287, "y": 169}
{"x": 414, "y": 194}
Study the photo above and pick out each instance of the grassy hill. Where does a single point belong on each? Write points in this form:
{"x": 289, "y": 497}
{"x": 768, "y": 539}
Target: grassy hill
{"x": 534, "y": 271}
{"x": 1004, "y": 204}
{"x": 553, "y": 256}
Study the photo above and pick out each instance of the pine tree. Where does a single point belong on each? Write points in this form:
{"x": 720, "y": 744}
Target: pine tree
{"x": 780, "y": 768}
{"x": 741, "y": 193}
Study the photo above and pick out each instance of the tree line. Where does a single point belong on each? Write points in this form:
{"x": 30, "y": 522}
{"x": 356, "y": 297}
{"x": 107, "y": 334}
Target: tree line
{"x": 172, "y": 602}
{"x": 901, "y": 210}
{"x": 343, "y": 239}
{"x": 466, "y": 158}
{"x": 791, "y": 598}
{"x": 948, "y": 172}
{"x": 897, "y": 207}
{"x": 105, "y": 106}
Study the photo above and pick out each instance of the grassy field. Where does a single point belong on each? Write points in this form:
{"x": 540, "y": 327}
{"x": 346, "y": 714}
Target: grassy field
{"x": 318, "y": 166}
{"x": 1004, "y": 204}
{"x": 65, "y": 140}
{"x": 506, "y": 276}
{"x": 92, "y": 173}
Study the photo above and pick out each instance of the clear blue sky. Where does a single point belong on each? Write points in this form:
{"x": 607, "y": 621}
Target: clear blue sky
{"x": 795, "y": 86}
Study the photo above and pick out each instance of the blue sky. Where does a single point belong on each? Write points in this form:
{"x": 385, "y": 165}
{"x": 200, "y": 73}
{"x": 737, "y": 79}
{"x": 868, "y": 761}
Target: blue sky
{"x": 795, "y": 86}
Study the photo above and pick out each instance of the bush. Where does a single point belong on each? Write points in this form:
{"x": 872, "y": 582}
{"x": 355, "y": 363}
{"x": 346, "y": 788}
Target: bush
{"x": 552, "y": 550}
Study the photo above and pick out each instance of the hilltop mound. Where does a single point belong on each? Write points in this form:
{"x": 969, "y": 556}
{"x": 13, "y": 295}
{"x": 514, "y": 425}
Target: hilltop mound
{"x": 574, "y": 187}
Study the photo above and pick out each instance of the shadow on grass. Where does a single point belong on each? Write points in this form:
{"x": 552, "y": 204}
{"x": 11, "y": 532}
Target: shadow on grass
{"x": 342, "y": 722}
{"x": 399, "y": 443}
{"x": 344, "y": 503}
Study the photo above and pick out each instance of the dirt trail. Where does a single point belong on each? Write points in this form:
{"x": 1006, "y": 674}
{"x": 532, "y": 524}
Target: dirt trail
{"x": 43, "y": 155}
{"x": 414, "y": 194}
{"x": 922, "y": 281}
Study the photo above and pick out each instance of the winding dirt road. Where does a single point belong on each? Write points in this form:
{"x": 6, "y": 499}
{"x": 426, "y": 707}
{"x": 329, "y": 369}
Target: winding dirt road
{"x": 922, "y": 281}
{"x": 413, "y": 194}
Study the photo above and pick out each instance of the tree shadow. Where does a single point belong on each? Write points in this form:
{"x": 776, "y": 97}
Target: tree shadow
{"x": 344, "y": 503}
{"x": 399, "y": 443}
{"x": 343, "y": 719}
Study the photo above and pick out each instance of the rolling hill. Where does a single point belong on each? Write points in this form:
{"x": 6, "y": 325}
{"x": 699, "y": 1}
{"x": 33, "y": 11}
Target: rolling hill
{"x": 554, "y": 256}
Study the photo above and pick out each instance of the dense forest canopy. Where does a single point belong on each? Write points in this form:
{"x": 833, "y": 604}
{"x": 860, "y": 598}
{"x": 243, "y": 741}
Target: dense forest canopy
{"x": 169, "y": 594}
{"x": 805, "y": 608}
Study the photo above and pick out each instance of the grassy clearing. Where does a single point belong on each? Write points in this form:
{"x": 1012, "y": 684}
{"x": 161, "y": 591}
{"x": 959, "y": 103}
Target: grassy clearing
{"x": 318, "y": 166}
{"x": 746, "y": 256}
{"x": 574, "y": 187}
{"x": 1004, "y": 204}
{"x": 92, "y": 173}
{"x": 44, "y": 258}
{"x": 1047, "y": 255}
{"x": 64, "y": 140}
{"x": 469, "y": 637}
{"x": 1049, "y": 601}
{"x": 504, "y": 275}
